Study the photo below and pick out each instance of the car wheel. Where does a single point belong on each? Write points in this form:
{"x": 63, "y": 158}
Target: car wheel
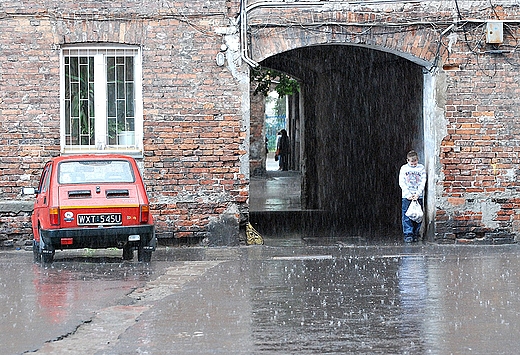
{"x": 128, "y": 252}
{"x": 37, "y": 257}
{"x": 45, "y": 255}
{"x": 47, "y": 258}
{"x": 144, "y": 255}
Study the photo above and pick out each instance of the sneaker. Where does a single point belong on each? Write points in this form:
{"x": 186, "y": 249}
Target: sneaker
{"x": 408, "y": 239}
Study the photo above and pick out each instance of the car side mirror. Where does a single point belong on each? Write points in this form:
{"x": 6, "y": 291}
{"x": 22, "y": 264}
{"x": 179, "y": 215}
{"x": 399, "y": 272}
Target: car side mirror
{"x": 29, "y": 191}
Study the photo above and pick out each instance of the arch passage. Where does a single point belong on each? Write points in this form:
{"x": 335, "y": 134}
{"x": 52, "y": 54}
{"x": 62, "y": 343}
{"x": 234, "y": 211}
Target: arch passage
{"x": 362, "y": 112}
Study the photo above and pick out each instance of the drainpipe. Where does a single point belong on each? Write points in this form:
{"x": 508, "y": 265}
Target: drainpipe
{"x": 243, "y": 36}
{"x": 244, "y": 10}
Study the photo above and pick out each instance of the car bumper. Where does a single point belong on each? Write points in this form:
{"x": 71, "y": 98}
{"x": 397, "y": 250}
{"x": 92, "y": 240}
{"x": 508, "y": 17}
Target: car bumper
{"x": 108, "y": 237}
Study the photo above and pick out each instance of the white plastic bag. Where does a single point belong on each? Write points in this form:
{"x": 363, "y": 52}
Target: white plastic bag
{"x": 414, "y": 212}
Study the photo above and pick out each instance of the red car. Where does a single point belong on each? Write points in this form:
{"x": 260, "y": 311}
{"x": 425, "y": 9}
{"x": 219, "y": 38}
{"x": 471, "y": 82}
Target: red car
{"x": 92, "y": 201}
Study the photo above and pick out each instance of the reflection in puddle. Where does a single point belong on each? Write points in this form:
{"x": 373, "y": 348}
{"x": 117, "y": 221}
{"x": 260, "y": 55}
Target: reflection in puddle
{"x": 398, "y": 304}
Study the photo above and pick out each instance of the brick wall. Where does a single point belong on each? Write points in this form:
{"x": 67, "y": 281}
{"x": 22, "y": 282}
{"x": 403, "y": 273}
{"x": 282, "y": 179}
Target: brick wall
{"x": 471, "y": 125}
{"x": 195, "y": 122}
{"x": 196, "y": 114}
{"x": 479, "y": 154}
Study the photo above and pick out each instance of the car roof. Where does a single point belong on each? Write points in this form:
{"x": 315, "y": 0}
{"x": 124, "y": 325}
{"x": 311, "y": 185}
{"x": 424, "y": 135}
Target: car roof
{"x": 75, "y": 157}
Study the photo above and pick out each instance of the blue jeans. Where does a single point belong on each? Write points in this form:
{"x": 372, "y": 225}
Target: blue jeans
{"x": 411, "y": 229}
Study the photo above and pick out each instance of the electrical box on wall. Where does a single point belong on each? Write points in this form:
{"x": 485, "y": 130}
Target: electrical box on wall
{"x": 495, "y": 32}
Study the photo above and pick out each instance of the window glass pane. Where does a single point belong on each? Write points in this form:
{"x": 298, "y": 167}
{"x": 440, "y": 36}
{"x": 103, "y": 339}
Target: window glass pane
{"x": 111, "y": 99}
{"x": 79, "y": 100}
{"x": 67, "y": 82}
{"x": 74, "y": 65}
{"x": 83, "y": 82}
{"x": 112, "y": 132}
{"x": 86, "y": 124}
{"x": 120, "y": 82}
{"x": 129, "y": 73}
{"x": 129, "y": 100}
{"x": 74, "y": 100}
{"x": 111, "y": 69}
{"x": 74, "y": 130}
{"x": 130, "y": 124}
{"x": 67, "y": 123}
{"x": 91, "y": 100}
{"x": 91, "y": 72}
{"x": 121, "y": 117}
{"x": 120, "y": 98}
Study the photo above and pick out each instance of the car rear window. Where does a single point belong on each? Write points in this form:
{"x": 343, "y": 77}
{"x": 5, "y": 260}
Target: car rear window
{"x": 95, "y": 171}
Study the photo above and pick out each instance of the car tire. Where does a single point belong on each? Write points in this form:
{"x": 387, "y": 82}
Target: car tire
{"x": 37, "y": 256}
{"x": 128, "y": 252}
{"x": 46, "y": 257}
{"x": 144, "y": 255}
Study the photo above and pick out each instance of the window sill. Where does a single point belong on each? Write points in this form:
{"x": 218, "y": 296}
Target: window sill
{"x": 131, "y": 151}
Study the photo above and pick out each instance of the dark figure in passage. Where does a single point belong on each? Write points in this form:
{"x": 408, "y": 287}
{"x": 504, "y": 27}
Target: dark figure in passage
{"x": 412, "y": 180}
{"x": 282, "y": 150}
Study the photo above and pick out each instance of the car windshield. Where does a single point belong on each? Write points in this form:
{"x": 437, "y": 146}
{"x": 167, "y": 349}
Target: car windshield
{"x": 95, "y": 171}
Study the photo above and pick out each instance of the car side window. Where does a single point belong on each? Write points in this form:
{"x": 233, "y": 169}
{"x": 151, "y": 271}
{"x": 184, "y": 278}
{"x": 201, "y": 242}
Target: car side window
{"x": 45, "y": 179}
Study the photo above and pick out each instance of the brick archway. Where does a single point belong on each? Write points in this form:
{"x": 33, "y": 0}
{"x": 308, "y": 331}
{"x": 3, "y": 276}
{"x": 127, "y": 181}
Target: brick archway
{"x": 470, "y": 108}
{"x": 267, "y": 31}
{"x": 423, "y": 52}
{"x": 416, "y": 45}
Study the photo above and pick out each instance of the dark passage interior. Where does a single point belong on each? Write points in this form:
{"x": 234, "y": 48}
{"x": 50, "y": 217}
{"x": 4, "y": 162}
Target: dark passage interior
{"x": 361, "y": 111}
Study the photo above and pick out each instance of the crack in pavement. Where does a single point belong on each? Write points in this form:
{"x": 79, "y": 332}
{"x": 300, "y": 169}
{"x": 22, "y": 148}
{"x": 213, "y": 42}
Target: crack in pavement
{"x": 104, "y": 329}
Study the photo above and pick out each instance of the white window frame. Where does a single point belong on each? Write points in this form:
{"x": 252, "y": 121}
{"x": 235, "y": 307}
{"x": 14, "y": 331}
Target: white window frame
{"x": 99, "y": 51}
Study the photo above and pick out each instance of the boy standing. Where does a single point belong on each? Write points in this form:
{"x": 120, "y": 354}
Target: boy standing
{"x": 412, "y": 180}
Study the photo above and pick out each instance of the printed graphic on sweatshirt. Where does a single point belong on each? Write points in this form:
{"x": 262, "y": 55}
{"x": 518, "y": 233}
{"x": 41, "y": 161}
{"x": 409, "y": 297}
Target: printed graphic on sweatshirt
{"x": 413, "y": 179}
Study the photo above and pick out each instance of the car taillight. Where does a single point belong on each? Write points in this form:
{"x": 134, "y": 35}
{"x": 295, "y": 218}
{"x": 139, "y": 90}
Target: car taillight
{"x": 54, "y": 214}
{"x": 145, "y": 213}
{"x": 67, "y": 241}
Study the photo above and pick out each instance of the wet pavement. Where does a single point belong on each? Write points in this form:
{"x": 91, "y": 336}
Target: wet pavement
{"x": 277, "y": 191}
{"x": 280, "y": 191}
{"x": 296, "y": 294}
{"x": 288, "y": 296}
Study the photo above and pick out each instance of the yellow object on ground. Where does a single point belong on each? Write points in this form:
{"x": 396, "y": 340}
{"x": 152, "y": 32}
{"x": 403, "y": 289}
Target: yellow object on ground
{"x": 252, "y": 236}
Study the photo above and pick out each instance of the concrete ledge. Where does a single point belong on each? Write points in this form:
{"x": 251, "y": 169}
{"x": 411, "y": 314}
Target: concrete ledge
{"x": 16, "y": 206}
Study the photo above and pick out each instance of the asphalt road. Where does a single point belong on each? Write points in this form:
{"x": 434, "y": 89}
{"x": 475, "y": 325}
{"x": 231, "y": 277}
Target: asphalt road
{"x": 286, "y": 297}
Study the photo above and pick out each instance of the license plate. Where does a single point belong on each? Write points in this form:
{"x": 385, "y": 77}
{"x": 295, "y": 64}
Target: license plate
{"x": 104, "y": 219}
